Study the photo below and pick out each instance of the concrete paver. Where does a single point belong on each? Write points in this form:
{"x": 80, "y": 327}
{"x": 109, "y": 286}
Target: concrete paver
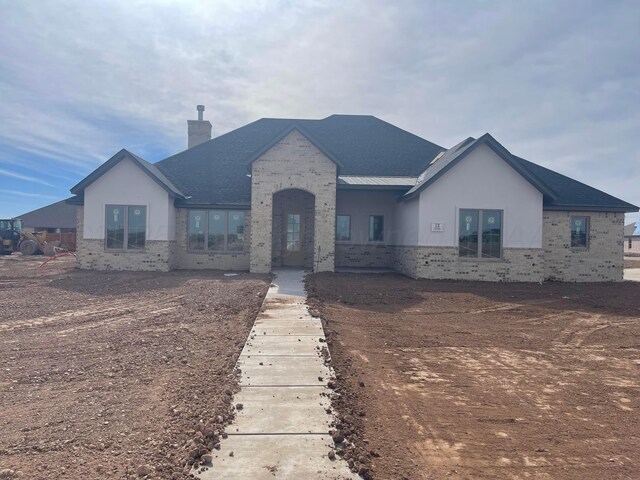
{"x": 282, "y": 429}
{"x": 277, "y": 327}
{"x": 632, "y": 274}
{"x": 281, "y": 370}
{"x": 282, "y": 345}
{"x": 282, "y": 457}
{"x": 282, "y": 410}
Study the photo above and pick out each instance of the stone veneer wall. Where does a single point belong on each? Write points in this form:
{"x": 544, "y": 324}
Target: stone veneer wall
{"x": 443, "y": 263}
{"x": 601, "y": 262}
{"x": 91, "y": 254}
{"x": 184, "y": 259}
{"x": 293, "y": 163}
{"x": 365, "y": 256}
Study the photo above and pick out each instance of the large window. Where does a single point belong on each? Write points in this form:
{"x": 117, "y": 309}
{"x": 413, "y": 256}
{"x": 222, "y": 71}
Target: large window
{"x": 376, "y": 228}
{"x": 480, "y": 234}
{"x": 126, "y": 227}
{"x": 343, "y": 228}
{"x": 216, "y": 230}
{"x": 579, "y": 232}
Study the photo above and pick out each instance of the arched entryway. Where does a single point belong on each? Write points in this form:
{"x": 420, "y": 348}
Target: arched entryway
{"x": 293, "y": 227}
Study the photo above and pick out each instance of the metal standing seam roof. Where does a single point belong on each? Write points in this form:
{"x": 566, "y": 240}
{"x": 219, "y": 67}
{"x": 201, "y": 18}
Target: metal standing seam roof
{"x": 377, "y": 181}
{"x": 368, "y": 151}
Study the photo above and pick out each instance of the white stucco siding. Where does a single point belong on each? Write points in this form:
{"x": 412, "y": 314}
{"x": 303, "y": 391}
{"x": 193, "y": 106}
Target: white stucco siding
{"x": 482, "y": 180}
{"x": 126, "y": 184}
{"x": 360, "y": 205}
{"x": 407, "y": 216}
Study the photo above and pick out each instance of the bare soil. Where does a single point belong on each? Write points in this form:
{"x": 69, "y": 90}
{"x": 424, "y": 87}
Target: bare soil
{"x": 471, "y": 380}
{"x": 116, "y": 374}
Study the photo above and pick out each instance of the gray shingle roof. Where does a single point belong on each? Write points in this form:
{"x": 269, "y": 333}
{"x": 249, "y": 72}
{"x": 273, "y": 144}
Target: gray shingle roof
{"x": 57, "y": 215}
{"x": 217, "y": 172}
{"x": 572, "y": 194}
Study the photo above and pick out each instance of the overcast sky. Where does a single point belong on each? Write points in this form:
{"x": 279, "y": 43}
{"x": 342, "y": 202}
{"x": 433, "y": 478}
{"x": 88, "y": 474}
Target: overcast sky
{"x": 556, "y": 82}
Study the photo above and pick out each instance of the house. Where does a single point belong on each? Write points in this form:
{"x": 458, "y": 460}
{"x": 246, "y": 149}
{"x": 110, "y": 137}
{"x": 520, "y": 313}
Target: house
{"x": 58, "y": 220}
{"x": 347, "y": 191}
{"x": 632, "y": 238}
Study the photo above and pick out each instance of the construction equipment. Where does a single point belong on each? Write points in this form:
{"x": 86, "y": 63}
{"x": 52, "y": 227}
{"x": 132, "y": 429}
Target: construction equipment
{"x": 10, "y": 234}
{"x": 13, "y": 239}
{"x": 33, "y": 243}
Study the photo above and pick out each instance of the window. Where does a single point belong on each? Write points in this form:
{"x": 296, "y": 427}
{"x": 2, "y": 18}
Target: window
{"x": 126, "y": 227}
{"x": 343, "y": 228}
{"x": 480, "y": 234}
{"x": 630, "y": 244}
{"x": 293, "y": 232}
{"x": 216, "y": 230}
{"x": 579, "y": 232}
{"x": 376, "y": 228}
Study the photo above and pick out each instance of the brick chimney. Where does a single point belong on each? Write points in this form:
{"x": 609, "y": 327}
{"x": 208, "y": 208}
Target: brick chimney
{"x": 199, "y": 130}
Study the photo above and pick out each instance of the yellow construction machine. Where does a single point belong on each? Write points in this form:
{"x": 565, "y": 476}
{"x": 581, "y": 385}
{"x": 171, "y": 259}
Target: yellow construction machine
{"x": 13, "y": 239}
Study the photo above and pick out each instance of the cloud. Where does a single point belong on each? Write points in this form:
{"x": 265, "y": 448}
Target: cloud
{"x": 27, "y": 194}
{"x": 23, "y": 177}
{"x": 555, "y": 82}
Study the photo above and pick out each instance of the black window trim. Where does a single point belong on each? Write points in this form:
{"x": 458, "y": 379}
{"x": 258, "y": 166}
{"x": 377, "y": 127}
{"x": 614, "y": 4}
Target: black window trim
{"x": 206, "y": 248}
{"x": 125, "y": 242}
{"x": 588, "y": 233}
{"x": 479, "y": 257}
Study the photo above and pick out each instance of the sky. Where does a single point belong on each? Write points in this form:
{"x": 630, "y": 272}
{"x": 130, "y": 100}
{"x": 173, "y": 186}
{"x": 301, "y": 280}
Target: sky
{"x": 556, "y": 82}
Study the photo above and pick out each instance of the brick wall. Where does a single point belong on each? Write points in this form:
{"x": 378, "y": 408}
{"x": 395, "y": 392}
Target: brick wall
{"x": 517, "y": 264}
{"x": 365, "y": 256}
{"x": 293, "y": 163}
{"x": 184, "y": 259}
{"x": 601, "y": 262}
{"x": 91, "y": 254}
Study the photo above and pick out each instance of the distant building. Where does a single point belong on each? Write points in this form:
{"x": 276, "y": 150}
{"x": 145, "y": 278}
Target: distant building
{"x": 58, "y": 220}
{"x": 632, "y": 238}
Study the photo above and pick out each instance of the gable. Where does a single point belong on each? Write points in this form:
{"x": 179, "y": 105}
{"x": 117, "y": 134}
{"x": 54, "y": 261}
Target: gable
{"x": 441, "y": 164}
{"x": 147, "y": 168}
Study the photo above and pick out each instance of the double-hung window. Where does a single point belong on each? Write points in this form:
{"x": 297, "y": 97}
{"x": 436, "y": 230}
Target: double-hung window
{"x": 480, "y": 234}
{"x": 580, "y": 232}
{"x": 216, "y": 230}
{"x": 126, "y": 227}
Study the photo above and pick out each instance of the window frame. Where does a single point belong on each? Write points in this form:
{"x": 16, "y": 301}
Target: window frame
{"x": 371, "y": 215}
{"x": 479, "y": 257}
{"x": 219, "y": 251}
{"x": 125, "y": 241}
{"x": 587, "y": 242}
{"x": 343, "y": 239}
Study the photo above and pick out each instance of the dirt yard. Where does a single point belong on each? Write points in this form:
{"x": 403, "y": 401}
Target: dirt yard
{"x": 106, "y": 374}
{"x": 485, "y": 381}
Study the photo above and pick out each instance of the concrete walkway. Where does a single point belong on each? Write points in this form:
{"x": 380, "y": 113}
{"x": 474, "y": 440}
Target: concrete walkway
{"x": 632, "y": 274}
{"x": 282, "y": 430}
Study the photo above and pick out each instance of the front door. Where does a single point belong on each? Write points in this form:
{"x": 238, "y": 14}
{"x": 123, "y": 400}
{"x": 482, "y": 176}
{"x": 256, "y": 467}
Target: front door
{"x": 293, "y": 248}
